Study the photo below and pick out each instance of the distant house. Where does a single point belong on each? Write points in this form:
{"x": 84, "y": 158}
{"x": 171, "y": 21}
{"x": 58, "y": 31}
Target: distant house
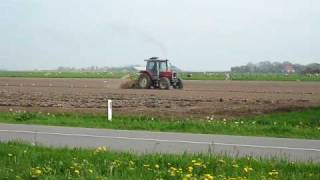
{"x": 289, "y": 69}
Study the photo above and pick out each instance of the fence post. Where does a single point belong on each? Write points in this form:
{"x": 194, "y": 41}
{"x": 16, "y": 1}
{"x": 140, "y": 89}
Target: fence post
{"x": 109, "y": 110}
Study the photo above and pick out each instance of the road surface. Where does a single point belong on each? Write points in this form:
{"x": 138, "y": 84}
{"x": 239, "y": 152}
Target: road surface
{"x": 161, "y": 142}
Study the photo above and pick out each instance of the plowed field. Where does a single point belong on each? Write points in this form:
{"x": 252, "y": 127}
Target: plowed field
{"x": 199, "y": 98}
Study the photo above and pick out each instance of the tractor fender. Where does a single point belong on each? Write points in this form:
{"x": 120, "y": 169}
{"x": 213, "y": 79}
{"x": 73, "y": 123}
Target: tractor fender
{"x": 146, "y": 72}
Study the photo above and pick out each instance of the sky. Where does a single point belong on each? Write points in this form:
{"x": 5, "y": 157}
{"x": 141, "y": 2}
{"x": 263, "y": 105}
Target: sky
{"x": 193, "y": 34}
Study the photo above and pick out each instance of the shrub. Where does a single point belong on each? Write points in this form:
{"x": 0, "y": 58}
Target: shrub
{"x": 24, "y": 116}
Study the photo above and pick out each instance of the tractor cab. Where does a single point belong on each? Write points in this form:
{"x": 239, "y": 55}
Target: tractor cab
{"x": 158, "y": 68}
{"x": 158, "y": 74}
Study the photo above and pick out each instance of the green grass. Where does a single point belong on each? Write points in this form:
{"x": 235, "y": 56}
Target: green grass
{"x": 184, "y": 75}
{"x": 56, "y": 74}
{"x": 249, "y": 76}
{"x": 301, "y": 124}
{"x": 20, "y": 161}
{"x": 203, "y": 76}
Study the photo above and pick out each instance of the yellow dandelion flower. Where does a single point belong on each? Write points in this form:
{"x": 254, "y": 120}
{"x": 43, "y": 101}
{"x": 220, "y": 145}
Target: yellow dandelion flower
{"x": 173, "y": 169}
{"x": 101, "y": 149}
{"x": 247, "y": 169}
{"x": 36, "y": 172}
{"x": 157, "y": 166}
{"x": 273, "y": 173}
{"x": 235, "y": 165}
{"x": 208, "y": 177}
{"x": 190, "y": 168}
{"x": 187, "y": 177}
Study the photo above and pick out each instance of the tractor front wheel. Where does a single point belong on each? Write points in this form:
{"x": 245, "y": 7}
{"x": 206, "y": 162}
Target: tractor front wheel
{"x": 144, "y": 81}
{"x": 164, "y": 83}
{"x": 179, "y": 84}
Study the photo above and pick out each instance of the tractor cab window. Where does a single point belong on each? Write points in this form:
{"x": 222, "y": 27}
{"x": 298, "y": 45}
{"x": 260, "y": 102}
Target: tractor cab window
{"x": 163, "y": 67}
{"x": 169, "y": 66}
{"x": 151, "y": 66}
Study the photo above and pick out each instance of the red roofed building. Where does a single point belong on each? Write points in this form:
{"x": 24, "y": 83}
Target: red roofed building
{"x": 289, "y": 69}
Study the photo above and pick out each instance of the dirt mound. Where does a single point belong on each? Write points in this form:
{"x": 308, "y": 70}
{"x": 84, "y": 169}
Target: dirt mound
{"x": 131, "y": 81}
{"x": 130, "y": 84}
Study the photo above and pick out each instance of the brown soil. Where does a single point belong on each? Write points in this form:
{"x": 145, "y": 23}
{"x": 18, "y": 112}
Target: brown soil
{"x": 199, "y": 98}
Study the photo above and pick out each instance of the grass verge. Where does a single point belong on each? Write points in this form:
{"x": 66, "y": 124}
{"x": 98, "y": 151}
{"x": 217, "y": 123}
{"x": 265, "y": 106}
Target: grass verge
{"x": 249, "y": 76}
{"x": 300, "y": 124}
{"x": 184, "y": 75}
{"x": 20, "y": 161}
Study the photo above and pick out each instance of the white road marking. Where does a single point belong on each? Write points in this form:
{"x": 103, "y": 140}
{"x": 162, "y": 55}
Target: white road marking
{"x": 161, "y": 140}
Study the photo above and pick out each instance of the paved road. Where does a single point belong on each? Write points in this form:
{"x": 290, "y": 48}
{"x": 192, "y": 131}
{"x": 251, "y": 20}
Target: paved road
{"x": 159, "y": 142}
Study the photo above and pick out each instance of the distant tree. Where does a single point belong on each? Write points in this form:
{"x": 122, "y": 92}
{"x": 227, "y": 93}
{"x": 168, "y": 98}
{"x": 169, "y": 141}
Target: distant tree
{"x": 299, "y": 68}
{"x": 251, "y": 67}
{"x": 312, "y": 68}
{"x": 277, "y": 67}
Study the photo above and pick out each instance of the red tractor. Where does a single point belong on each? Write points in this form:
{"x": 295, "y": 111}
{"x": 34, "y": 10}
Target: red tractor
{"x": 158, "y": 74}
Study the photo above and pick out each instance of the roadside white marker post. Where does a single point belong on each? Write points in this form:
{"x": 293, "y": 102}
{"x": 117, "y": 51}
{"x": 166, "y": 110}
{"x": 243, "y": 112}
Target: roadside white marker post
{"x": 109, "y": 110}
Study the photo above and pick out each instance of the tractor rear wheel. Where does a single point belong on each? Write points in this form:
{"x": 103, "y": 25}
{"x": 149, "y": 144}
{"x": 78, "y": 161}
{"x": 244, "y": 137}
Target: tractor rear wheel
{"x": 164, "y": 83}
{"x": 144, "y": 81}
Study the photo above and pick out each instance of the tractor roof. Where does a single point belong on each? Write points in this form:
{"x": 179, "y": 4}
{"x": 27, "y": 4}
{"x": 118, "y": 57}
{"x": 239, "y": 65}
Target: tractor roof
{"x": 156, "y": 59}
